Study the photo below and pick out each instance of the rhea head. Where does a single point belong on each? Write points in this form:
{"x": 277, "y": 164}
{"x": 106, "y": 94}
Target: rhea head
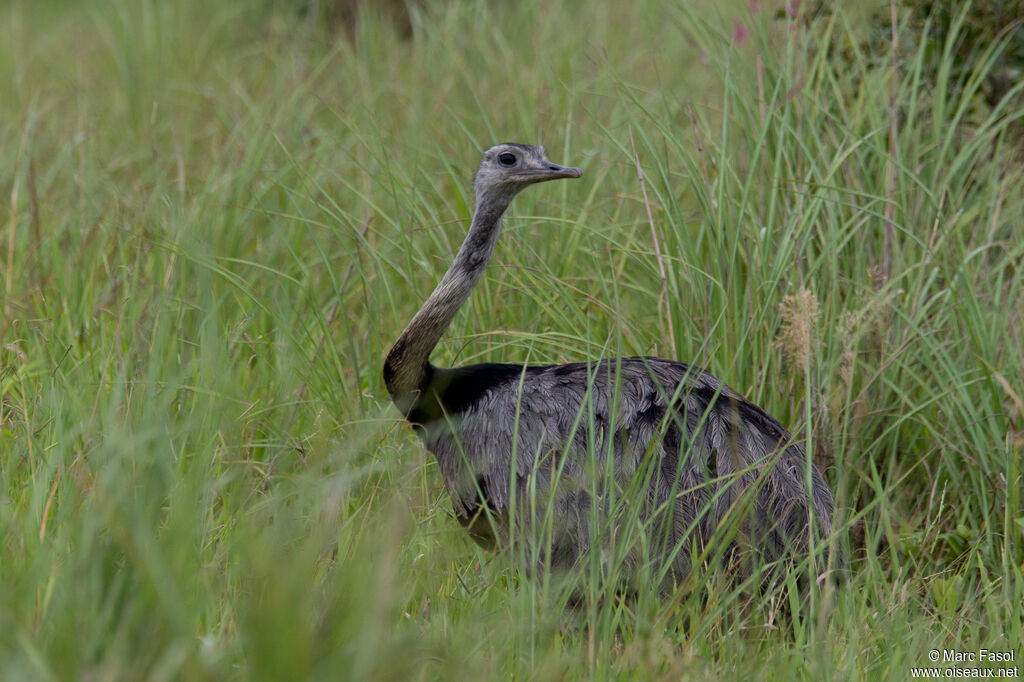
{"x": 507, "y": 168}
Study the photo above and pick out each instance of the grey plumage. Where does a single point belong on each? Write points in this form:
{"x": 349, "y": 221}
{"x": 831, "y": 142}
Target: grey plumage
{"x": 663, "y": 441}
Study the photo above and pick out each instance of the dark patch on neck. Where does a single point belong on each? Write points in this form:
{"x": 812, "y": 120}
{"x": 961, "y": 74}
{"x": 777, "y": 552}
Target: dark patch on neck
{"x": 451, "y": 392}
{"x": 461, "y": 388}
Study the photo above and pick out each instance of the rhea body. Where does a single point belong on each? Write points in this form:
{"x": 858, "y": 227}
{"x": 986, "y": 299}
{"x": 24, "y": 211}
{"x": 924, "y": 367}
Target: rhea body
{"x": 574, "y": 434}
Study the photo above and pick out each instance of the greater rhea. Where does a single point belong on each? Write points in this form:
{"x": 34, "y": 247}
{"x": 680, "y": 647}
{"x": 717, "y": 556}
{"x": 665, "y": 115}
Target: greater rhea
{"x": 695, "y": 455}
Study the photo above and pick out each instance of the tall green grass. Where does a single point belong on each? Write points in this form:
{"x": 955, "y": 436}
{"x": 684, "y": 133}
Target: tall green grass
{"x": 217, "y": 217}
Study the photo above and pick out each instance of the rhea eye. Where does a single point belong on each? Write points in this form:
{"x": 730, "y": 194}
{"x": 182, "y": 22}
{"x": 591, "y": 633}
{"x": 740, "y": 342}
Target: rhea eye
{"x": 507, "y": 159}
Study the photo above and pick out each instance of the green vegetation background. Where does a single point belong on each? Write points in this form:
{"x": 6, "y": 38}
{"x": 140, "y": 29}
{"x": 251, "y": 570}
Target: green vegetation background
{"x": 217, "y": 216}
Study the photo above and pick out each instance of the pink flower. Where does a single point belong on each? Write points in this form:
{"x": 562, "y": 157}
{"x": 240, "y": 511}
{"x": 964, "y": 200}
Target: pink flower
{"x": 755, "y": 5}
{"x": 792, "y": 8}
{"x": 739, "y": 33}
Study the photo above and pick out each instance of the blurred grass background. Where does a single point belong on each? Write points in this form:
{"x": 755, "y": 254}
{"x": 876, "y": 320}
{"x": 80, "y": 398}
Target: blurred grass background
{"x": 218, "y": 216}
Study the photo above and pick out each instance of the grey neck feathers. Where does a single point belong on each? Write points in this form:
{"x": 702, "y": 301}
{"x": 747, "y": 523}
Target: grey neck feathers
{"x": 407, "y": 368}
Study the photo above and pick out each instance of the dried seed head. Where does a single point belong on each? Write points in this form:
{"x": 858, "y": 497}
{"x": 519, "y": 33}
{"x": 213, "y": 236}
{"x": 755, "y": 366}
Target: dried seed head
{"x": 798, "y": 338}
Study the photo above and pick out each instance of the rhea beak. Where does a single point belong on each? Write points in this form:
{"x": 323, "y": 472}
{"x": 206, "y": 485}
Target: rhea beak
{"x": 550, "y": 171}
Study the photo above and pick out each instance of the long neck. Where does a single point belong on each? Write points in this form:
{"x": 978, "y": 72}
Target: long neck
{"x": 406, "y": 370}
